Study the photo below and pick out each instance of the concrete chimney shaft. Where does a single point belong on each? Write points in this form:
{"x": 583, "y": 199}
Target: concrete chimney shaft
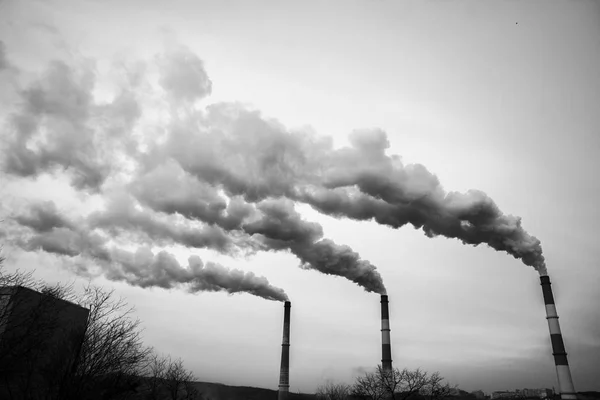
{"x": 284, "y": 374}
{"x": 565, "y": 382}
{"x": 386, "y": 347}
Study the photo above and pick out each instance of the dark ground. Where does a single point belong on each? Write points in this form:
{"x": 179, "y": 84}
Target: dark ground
{"x": 217, "y": 391}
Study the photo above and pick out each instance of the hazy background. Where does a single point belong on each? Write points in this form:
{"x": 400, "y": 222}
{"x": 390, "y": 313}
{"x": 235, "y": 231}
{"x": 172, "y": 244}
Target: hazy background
{"x": 499, "y": 96}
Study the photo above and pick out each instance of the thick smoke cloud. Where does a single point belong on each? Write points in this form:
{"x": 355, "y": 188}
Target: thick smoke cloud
{"x": 281, "y": 227}
{"x": 361, "y": 182}
{"x": 60, "y": 126}
{"x": 221, "y": 177}
{"x": 237, "y": 150}
{"x": 272, "y": 224}
{"x": 145, "y": 269}
{"x": 183, "y": 77}
{"x": 169, "y": 189}
{"x": 3, "y": 60}
{"x": 248, "y": 156}
{"x": 121, "y": 216}
{"x": 42, "y": 227}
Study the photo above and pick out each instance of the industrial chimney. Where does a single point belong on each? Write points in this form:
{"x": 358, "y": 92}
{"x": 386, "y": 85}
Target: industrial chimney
{"x": 565, "y": 382}
{"x": 284, "y": 374}
{"x": 386, "y": 347}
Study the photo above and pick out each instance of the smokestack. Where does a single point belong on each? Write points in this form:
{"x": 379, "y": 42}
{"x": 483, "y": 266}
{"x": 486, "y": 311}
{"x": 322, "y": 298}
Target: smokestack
{"x": 284, "y": 374}
{"x": 565, "y": 382}
{"x": 386, "y": 347}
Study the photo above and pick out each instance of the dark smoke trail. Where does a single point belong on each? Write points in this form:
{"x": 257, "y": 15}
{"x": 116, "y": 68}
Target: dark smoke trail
{"x": 259, "y": 159}
{"x": 273, "y": 223}
{"x": 281, "y": 227}
{"x": 121, "y": 215}
{"x": 475, "y": 224}
{"x": 411, "y": 194}
{"x": 43, "y": 228}
{"x": 145, "y": 269}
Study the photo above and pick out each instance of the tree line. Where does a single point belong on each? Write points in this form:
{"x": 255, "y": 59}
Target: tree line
{"x": 391, "y": 384}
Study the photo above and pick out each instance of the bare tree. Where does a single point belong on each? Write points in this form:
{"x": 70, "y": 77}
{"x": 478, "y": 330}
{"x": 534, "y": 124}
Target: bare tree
{"x": 178, "y": 381}
{"x": 399, "y": 384}
{"x": 435, "y": 388}
{"x": 17, "y": 278}
{"x": 58, "y": 291}
{"x": 369, "y": 387}
{"x": 167, "y": 378}
{"x": 333, "y": 391}
{"x": 155, "y": 374}
{"x": 409, "y": 383}
{"x": 112, "y": 354}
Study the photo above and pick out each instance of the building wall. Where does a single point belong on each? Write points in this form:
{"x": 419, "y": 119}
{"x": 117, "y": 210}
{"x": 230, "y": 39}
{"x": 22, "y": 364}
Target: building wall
{"x": 537, "y": 393}
{"x": 503, "y": 395}
{"x": 5, "y": 306}
{"x": 39, "y": 339}
{"x": 524, "y": 393}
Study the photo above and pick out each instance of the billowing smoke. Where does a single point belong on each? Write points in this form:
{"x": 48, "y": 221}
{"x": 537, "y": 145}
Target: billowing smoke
{"x": 182, "y": 76}
{"x": 220, "y": 177}
{"x": 42, "y": 227}
{"x": 3, "y": 61}
{"x": 121, "y": 215}
{"x": 259, "y": 159}
{"x": 61, "y": 127}
{"x": 281, "y": 227}
{"x": 272, "y": 224}
{"x": 362, "y": 182}
{"x": 145, "y": 269}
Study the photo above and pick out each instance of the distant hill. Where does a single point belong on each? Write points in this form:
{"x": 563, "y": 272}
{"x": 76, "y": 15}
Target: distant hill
{"x": 138, "y": 388}
{"x": 217, "y": 391}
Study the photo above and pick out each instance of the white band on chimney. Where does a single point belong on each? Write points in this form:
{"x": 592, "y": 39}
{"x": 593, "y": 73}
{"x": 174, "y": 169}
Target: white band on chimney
{"x": 565, "y": 382}
{"x": 385, "y": 324}
{"x": 554, "y": 326}
{"x": 385, "y": 337}
{"x": 551, "y": 311}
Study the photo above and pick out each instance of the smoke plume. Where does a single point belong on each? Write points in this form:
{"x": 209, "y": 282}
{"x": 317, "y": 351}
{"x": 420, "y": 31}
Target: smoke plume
{"x": 59, "y": 126}
{"x": 121, "y": 215}
{"x": 259, "y": 159}
{"x": 42, "y": 227}
{"x": 3, "y": 60}
{"x": 281, "y": 227}
{"x": 145, "y": 269}
{"x": 272, "y": 224}
{"x": 220, "y": 176}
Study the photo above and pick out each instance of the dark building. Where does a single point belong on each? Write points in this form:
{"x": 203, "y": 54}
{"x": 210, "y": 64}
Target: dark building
{"x": 40, "y": 337}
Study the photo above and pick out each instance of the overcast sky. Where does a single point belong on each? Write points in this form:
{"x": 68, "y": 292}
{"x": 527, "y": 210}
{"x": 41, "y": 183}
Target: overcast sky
{"x": 218, "y": 129}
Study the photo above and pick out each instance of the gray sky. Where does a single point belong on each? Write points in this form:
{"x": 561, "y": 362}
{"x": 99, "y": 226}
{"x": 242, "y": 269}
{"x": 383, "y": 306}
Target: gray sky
{"x": 100, "y": 97}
